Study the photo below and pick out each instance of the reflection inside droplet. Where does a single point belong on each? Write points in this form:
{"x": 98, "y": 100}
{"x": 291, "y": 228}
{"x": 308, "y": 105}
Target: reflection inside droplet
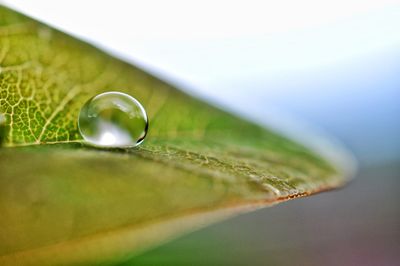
{"x": 113, "y": 119}
{"x": 108, "y": 139}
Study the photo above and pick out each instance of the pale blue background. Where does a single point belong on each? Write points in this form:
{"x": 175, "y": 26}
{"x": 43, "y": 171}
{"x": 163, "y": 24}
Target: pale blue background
{"x": 331, "y": 64}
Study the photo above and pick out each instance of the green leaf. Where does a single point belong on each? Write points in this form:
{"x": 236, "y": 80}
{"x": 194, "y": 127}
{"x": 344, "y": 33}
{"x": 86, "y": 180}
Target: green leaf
{"x": 64, "y": 203}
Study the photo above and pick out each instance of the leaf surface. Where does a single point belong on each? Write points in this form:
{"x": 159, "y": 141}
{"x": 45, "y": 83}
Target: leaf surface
{"x": 63, "y": 203}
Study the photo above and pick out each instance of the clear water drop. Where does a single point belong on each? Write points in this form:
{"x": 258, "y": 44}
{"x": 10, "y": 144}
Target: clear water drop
{"x": 113, "y": 119}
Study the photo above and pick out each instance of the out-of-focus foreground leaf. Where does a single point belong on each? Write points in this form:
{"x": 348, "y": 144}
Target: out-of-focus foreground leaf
{"x": 64, "y": 203}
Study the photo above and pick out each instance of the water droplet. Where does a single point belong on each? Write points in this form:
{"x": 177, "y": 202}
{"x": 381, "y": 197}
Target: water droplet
{"x": 113, "y": 119}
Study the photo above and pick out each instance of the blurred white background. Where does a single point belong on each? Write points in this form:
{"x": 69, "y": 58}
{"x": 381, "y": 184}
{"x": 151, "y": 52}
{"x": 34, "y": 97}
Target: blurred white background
{"x": 334, "y": 64}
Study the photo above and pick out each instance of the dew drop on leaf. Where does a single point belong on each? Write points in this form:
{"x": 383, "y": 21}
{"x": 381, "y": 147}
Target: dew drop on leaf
{"x": 113, "y": 119}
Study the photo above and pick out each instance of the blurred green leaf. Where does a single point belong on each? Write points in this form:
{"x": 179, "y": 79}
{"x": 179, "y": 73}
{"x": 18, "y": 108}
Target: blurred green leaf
{"x": 64, "y": 203}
